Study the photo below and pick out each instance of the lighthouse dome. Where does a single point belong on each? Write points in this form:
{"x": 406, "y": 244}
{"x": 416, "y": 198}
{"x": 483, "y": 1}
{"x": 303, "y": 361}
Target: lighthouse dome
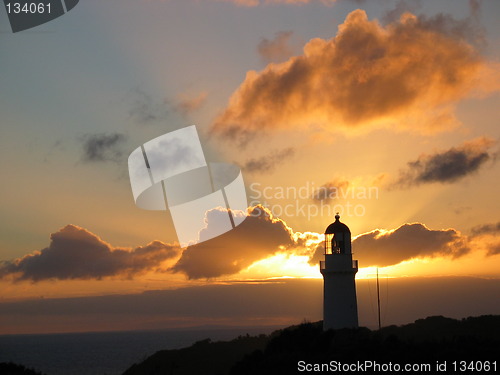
{"x": 337, "y": 227}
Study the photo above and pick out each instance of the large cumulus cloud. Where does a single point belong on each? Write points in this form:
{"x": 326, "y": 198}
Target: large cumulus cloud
{"x": 409, "y": 241}
{"x": 75, "y": 253}
{"x": 260, "y": 236}
{"x": 409, "y": 73}
{"x": 389, "y": 247}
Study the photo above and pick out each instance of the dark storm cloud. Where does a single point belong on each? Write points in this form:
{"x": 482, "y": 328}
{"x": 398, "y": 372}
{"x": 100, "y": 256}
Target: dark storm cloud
{"x": 75, "y": 253}
{"x": 103, "y": 147}
{"x": 447, "y": 166}
{"x": 268, "y": 163}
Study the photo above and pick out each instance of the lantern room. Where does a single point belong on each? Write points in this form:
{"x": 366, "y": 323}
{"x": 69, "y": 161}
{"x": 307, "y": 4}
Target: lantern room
{"x": 337, "y": 238}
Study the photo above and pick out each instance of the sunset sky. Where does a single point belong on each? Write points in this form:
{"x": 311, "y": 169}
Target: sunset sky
{"x": 385, "y": 111}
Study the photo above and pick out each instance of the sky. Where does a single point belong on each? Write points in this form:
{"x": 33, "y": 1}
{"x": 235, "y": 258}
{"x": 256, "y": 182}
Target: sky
{"x": 384, "y": 111}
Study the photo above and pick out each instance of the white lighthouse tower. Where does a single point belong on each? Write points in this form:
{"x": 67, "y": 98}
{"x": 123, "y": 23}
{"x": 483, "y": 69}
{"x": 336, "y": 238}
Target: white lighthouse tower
{"x": 340, "y": 308}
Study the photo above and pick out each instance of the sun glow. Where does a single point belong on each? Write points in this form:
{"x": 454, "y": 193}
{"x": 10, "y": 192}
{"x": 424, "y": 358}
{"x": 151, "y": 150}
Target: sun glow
{"x": 298, "y": 266}
{"x": 283, "y": 265}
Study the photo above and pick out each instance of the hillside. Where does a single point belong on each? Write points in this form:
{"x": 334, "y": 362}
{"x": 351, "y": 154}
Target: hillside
{"x": 424, "y": 341}
{"x": 15, "y": 369}
{"x": 305, "y": 346}
{"x": 203, "y": 357}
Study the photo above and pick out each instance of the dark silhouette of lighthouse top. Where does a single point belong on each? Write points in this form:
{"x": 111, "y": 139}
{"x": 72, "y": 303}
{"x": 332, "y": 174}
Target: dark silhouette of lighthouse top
{"x": 337, "y": 238}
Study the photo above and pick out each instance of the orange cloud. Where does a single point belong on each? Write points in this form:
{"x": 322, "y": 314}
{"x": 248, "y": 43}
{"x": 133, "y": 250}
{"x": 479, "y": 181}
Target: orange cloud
{"x": 75, "y": 253}
{"x": 408, "y": 74}
{"x": 384, "y": 248}
{"x": 260, "y": 236}
{"x": 489, "y": 236}
{"x": 389, "y": 247}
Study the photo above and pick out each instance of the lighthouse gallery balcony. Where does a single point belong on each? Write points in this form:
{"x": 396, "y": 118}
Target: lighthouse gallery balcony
{"x": 339, "y": 263}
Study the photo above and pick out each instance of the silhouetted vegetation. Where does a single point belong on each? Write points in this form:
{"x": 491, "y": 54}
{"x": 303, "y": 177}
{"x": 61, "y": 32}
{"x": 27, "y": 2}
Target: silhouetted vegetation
{"x": 424, "y": 341}
{"x": 203, "y": 357}
{"x": 13, "y": 369}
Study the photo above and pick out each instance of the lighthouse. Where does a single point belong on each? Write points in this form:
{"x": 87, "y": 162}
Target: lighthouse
{"x": 340, "y": 308}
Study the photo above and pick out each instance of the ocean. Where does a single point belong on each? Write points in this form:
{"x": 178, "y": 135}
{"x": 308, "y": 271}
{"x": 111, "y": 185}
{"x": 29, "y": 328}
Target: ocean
{"x": 104, "y": 353}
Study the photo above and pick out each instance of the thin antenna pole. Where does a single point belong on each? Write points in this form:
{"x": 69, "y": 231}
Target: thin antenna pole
{"x": 378, "y": 301}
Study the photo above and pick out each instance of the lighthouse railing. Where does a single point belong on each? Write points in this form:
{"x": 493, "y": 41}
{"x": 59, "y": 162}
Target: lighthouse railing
{"x": 338, "y": 263}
